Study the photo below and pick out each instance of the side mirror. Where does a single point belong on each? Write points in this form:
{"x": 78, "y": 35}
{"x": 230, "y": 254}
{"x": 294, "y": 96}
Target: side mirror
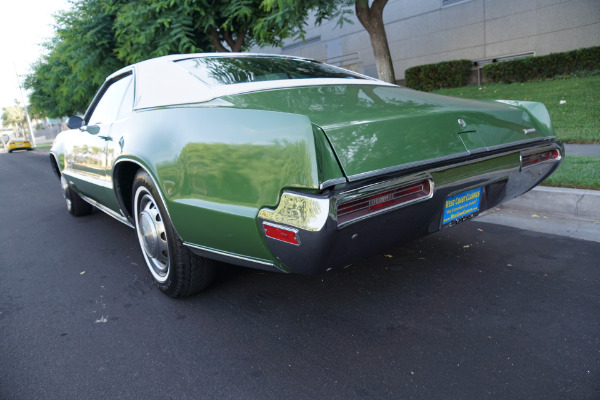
{"x": 74, "y": 122}
{"x": 91, "y": 129}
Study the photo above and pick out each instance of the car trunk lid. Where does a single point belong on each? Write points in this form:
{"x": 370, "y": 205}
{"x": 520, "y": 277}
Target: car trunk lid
{"x": 376, "y": 128}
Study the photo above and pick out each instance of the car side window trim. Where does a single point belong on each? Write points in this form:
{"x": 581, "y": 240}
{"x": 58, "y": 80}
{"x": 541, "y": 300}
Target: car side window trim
{"x": 108, "y": 83}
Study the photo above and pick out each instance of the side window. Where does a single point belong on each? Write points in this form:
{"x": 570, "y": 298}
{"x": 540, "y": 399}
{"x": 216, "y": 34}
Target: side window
{"x": 127, "y": 103}
{"x": 108, "y": 107}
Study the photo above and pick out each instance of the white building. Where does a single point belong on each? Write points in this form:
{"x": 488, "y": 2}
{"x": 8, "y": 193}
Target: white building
{"x": 429, "y": 31}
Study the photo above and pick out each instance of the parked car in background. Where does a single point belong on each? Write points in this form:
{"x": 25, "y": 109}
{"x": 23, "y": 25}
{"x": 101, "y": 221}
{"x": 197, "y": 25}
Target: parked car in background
{"x": 19, "y": 144}
{"x": 287, "y": 164}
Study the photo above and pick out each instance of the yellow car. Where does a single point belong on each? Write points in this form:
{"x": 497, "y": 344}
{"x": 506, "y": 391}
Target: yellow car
{"x": 19, "y": 144}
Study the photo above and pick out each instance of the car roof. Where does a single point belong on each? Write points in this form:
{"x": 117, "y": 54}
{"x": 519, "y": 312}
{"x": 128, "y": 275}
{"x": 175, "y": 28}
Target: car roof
{"x": 153, "y": 90}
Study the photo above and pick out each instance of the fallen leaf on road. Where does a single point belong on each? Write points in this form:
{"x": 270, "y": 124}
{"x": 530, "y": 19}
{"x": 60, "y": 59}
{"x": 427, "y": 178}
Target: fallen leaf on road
{"x": 535, "y": 216}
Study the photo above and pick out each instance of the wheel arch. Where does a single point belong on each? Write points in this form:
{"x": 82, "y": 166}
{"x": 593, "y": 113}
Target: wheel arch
{"x": 124, "y": 173}
{"x": 55, "y": 167}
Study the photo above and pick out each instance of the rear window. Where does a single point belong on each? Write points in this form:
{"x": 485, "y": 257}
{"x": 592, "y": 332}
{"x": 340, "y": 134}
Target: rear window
{"x": 215, "y": 71}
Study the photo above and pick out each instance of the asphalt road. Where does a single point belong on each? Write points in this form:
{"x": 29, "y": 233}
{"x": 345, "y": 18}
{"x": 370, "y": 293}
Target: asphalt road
{"x": 475, "y": 312}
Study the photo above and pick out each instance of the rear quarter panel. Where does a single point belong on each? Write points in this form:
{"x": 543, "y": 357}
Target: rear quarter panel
{"x": 216, "y": 167}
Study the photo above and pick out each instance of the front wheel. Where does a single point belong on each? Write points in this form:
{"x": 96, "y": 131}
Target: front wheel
{"x": 177, "y": 271}
{"x": 76, "y": 206}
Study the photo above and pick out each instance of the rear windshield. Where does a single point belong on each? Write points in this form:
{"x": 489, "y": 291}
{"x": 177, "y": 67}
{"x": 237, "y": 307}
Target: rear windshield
{"x": 215, "y": 71}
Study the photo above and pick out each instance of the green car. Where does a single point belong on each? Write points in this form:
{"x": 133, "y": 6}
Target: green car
{"x": 287, "y": 164}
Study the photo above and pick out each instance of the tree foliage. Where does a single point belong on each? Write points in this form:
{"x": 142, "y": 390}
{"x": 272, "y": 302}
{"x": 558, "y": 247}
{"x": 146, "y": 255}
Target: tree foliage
{"x": 79, "y": 58}
{"x": 14, "y": 116}
{"x": 97, "y": 37}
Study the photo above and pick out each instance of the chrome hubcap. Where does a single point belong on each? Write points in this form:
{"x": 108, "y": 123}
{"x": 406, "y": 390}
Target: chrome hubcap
{"x": 65, "y": 188}
{"x": 152, "y": 235}
{"x": 149, "y": 234}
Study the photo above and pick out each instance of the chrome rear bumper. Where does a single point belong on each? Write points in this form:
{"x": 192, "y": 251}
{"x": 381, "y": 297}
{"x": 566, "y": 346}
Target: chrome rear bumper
{"x": 325, "y": 242}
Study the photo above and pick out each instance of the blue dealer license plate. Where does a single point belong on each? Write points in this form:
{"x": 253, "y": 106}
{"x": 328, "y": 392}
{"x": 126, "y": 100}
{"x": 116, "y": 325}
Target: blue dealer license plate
{"x": 461, "y": 206}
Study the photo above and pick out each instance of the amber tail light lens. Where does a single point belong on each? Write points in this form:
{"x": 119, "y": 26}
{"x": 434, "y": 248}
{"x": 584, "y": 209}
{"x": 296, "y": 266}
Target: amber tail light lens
{"x": 536, "y": 158}
{"x": 377, "y": 202}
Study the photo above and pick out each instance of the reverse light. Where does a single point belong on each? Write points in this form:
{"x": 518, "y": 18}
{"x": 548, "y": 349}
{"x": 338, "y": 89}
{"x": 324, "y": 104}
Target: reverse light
{"x": 536, "y": 158}
{"x": 378, "y": 202}
{"x": 284, "y": 234}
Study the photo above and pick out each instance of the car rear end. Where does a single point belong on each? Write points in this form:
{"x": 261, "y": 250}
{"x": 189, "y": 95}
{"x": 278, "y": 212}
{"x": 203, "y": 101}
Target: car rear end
{"x": 19, "y": 144}
{"x": 411, "y": 164}
{"x": 355, "y": 220}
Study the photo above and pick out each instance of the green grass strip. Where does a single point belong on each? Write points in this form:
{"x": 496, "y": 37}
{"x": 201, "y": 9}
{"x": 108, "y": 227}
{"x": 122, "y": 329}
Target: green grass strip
{"x": 581, "y": 172}
{"x": 577, "y": 120}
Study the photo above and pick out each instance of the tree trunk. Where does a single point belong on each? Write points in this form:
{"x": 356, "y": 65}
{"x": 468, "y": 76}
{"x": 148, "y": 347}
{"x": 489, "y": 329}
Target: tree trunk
{"x": 235, "y": 45}
{"x": 372, "y": 19}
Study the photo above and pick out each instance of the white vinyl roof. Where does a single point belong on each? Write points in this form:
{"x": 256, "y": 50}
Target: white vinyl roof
{"x": 161, "y": 82}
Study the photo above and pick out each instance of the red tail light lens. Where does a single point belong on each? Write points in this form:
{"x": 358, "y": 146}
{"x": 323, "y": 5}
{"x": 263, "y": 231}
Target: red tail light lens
{"x": 284, "y": 234}
{"x": 374, "y": 203}
{"x": 536, "y": 158}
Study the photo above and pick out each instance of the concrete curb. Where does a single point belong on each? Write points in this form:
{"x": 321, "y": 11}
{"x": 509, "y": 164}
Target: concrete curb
{"x": 576, "y": 203}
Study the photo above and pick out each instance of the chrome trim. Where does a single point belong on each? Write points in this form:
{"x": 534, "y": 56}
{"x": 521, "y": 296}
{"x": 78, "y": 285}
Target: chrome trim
{"x": 107, "y": 211}
{"x": 540, "y": 150}
{"x": 233, "y": 258}
{"x": 332, "y": 182}
{"x": 397, "y": 168}
{"x": 522, "y": 142}
{"x": 300, "y": 211}
{"x": 71, "y": 172}
{"x": 284, "y": 228}
{"x": 335, "y": 247}
{"x": 151, "y": 178}
{"x": 367, "y": 191}
{"x": 416, "y": 164}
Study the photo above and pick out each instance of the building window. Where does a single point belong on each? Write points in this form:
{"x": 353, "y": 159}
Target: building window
{"x": 447, "y": 3}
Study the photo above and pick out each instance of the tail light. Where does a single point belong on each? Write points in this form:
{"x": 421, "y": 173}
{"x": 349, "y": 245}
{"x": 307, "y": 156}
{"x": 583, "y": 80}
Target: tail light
{"x": 381, "y": 201}
{"x": 536, "y": 158}
{"x": 282, "y": 233}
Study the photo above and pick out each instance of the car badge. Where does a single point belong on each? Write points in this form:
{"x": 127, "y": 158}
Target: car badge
{"x": 530, "y": 130}
{"x": 462, "y": 123}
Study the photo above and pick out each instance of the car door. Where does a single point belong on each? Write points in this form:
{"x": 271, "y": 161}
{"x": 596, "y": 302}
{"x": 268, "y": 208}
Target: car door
{"x": 89, "y": 153}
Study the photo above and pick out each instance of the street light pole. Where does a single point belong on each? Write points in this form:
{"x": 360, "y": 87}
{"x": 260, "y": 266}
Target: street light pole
{"x": 25, "y": 107}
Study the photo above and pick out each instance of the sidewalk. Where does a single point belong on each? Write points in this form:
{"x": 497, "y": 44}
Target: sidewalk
{"x": 582, "y": 149}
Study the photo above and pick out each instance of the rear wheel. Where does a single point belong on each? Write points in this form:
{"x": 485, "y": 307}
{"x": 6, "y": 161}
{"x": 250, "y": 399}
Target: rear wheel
{"x": 177, "y": 271}
{"x": 75, "y": 204}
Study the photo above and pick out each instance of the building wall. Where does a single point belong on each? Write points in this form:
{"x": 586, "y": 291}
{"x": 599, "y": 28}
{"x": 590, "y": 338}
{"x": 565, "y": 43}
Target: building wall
{"x": 426, "y": 31}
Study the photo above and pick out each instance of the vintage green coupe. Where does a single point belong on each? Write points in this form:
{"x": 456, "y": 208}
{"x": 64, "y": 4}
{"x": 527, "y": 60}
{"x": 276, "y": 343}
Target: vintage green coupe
{"x": 287, "y": 164}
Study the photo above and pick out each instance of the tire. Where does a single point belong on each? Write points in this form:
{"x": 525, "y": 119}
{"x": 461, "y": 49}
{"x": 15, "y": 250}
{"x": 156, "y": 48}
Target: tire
{"x": 176, "y": 270}
{"x": 76, "y": 206}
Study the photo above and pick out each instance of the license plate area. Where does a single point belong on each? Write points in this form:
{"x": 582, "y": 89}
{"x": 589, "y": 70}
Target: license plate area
{"x": 461, "y": 206}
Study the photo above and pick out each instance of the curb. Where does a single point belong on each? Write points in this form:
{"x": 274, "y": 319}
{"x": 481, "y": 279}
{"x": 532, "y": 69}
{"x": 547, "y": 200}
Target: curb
{"x": 577, "y": 203}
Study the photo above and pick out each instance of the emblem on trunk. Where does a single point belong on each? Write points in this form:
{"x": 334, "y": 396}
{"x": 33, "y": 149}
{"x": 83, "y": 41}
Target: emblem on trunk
{"x": 462, "y": 123}
{"x": 530, "y": 130}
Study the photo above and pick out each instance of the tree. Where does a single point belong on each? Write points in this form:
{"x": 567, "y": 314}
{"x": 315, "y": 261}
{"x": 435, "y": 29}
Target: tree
{"x": 14, "y": 116}
{"x": 78, "y": 59}
{"x": 296, "y": 13}
{"x": 151, "y": 28}
{"x": 98, "y": 37}
{"x": 371, "y": 17}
